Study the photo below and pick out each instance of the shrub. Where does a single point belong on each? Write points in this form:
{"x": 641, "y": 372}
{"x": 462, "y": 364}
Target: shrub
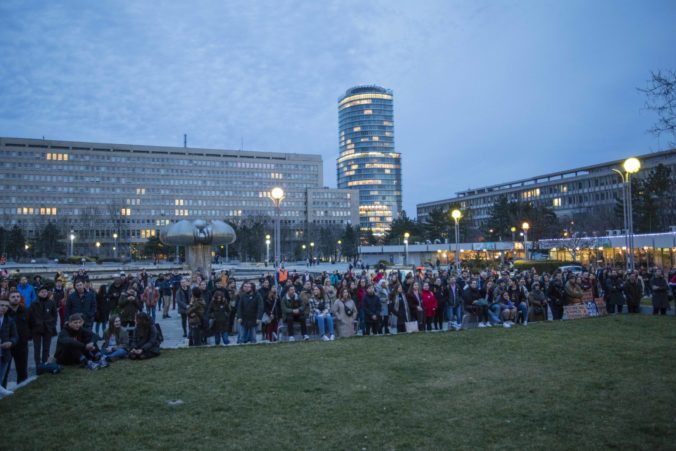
{"x": 548, "y": 266}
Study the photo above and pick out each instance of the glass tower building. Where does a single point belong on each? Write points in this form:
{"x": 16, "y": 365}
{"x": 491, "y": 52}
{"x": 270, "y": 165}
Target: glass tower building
{"x": 367, "y": 161}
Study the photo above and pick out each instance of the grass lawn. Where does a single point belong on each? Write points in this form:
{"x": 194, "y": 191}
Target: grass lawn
{"x": 595, "y": 383}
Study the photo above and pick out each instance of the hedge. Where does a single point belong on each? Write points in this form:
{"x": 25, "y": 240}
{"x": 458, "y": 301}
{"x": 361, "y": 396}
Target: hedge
{"x": 540, "y": 266}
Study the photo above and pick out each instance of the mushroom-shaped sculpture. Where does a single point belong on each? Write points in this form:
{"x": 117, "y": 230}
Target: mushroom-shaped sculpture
{"x": 198, "y": 236}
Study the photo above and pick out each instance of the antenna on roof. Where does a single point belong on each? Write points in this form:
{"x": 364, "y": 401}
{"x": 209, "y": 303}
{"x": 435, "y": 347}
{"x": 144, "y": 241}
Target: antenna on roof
{"x": 241, "y": 147}
{"x": 185, "y": 140}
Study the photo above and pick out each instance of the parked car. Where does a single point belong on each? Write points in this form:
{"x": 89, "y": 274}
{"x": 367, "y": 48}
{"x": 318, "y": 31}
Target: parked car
{"x": 575, "y": 269}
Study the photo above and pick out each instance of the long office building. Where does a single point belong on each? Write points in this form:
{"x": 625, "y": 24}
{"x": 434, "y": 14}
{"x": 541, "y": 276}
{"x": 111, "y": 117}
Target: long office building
{"x": 367, "y": 160}
{"x": 99, "y": 189}
{"x": 585, "y": 189}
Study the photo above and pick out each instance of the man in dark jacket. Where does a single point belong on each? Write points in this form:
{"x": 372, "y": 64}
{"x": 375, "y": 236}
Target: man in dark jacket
{"x": 17, "y": 313}
{"x": 82, "y": 301}
{"x": 371, "y": 305}
{"x": 292, "y": 307}
{"x": 557, "y": 294}
{"x": 8, "y": 338}
{"x": 42, "y": 324}
{"x": 614, "y": 293}
{"x": 249, "y": 313}
{"x": 76, "y": 345}
{"x": 633, "y": 292}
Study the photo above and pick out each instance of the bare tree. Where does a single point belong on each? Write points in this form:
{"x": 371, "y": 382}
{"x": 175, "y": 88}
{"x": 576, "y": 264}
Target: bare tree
{"x": 661, "y": 98}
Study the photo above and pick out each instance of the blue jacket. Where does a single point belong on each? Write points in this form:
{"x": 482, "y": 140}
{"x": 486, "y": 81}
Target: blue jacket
{"x": 85, "y": 305}
{"x": 28, "y": 293}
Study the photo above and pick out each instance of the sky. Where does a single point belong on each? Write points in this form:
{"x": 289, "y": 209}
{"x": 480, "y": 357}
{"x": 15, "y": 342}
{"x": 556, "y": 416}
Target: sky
{"x": 484, "y": 91}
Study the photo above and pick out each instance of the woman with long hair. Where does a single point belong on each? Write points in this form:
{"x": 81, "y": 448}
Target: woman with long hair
{"x": 345, "y": 312}
{"x": 273, "y": 309}
{"x": 415, "y": 306}
{"x": 145, "y": 343}
{"x": 115, "y": 340}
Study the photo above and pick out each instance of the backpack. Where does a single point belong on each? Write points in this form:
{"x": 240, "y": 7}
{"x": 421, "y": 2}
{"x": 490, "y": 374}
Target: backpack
{"x": 160, "y": 335}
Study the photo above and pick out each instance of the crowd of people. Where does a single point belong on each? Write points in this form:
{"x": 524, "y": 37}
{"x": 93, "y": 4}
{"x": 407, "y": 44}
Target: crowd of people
{"x": 95, "y": 327}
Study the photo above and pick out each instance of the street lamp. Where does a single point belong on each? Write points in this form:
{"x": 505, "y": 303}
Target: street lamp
{"x": 312, "y": 252}
{"x": 277, "y": 196}
{"x": 406, "y": 235}
{"x": 267, "y": 249}
{"x": 525, "y": 226}
{"x": 631, "y": 166}
{"x": 98, "y": 247}
{"x": 339, "y": 249}
{"x": 456, "y": 215}
{"x": 115, "y": 246}
{"x": 72, "y": 239}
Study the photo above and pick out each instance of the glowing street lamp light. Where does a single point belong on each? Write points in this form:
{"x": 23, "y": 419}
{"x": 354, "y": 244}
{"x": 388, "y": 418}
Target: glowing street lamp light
{"x": 277, "y": 196}
{"x": 72, "y": 239}
{"x": 406, "y": 235}
{"x": 339, "y": 249}
{"x": 267, "y": 248}
{"x": 312, "y": 252}
{"x": 525, "y": 226}
{"x": 456, "y": 215}
{"x": 115, "y": 247}
{"x": 631, "y": 166}
{"x": 98, "y": 248}
{"x": 513, "y": 229}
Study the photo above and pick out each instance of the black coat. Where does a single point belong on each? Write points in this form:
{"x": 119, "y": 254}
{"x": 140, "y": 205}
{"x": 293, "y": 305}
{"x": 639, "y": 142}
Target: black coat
{"x": 249, "y": 308}
{"x": 42, "y": 316}
{"x": 20, "y": 319}
{"x": 8, "y": 332}
{"x": 71, "y": 345}
{"x": 371, "y": 305}
{"x": 85, "y": 304}
{"x": 148, "y": 342}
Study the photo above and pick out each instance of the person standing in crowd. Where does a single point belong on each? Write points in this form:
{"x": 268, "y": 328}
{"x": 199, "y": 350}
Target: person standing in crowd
{"x": 42, "y": 317}
{"x": 9, "y": 337}
{"x": 150, "y": 298}
{"x": 196, "y": 313}
{"x": 129, "y": 305}
{"x": 633, "y": 293}
{"x": 345, "y": 312}
{"x": 430, "y": 305}
{"x": 273, "y": 308}
{"x": 399, "y": 306}
{"x": 27, "y": 291}
{"x": 415, "y": 307}
{"x": 614, "y": 293}
{"x": 18, "y": 315}
{"x": 115, "y": 340}
{"x": 659, "y": 287}
{"x": 102, "y": 310}
{"x": 384, "y": 295}
{"x": 454, "y": 310}
{"x": 182, "y": 301}
{"x": 371, "y": 305}
{"x": 440, "y": 291}
{"x": 218, "y": 315}
{"x": 249, "y": 312}
{"x": 557, "y": 294}
{"x": 145, "y": 343}
{"x": 82, "y": 301}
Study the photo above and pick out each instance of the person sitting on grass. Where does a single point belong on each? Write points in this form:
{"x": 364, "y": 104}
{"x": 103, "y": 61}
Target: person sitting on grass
{"x": 508, "y": 310}
{"x": 294, "y": 313}
{"x": 195, "y": 312}
{"x": 321, "y": 314}
{"x": 76, "y": 345}
{"x": 115, "y": 340}
{"x": 145, "y": 343}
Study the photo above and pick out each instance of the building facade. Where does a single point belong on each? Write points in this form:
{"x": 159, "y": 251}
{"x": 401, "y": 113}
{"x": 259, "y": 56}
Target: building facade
{"x": 100, "y": 190}
{"x": 595, "y": 189}
{"x": 367, "y": 160}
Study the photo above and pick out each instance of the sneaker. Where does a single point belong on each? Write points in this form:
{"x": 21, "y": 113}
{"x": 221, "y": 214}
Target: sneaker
{"x": 482, "y": 325}
{"x": 525, "y": 323}
{"x": 306, "y": 337}
{"x": 325, "y": 338}
{"x": 488, "y": 324}
{"x": 5, "y": 392}
{"x": 91, "y": 365}
{"x": 506, "y": 325}
{"x": 292, "y": 338}
{"x": 332, "y": 337}
{"x": 103, "y": 363}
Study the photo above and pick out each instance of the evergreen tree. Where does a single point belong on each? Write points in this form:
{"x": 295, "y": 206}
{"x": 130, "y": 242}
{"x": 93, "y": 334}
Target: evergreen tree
{"x": 350, "y": 242}
{"x": 15, "y": 243}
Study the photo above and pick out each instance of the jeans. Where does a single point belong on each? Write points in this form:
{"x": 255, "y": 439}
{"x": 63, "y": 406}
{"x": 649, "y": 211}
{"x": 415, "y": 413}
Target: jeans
{"x": 5, "y": 362}
{"x": 19, "y": 354}
{"x": 41, "y": 344}
{"x": 322, "y": 320}
{"x": 494, "y": 313}
{"x": 246, "y": 334}
{"x": 523, "y": 311}
{"x": 99, "y": 327}
{"x": 184, "y": 323}
{"x": 456, "y": 312}
{"x": 224, "y": 335}
{"x": 151, "y": 311}
{"x": 362, "y": 322}
{"x": 119, "y": 353}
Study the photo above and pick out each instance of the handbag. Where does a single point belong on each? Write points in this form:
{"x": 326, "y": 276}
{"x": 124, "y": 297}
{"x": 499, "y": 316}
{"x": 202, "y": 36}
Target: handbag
{"x": 411, "y": 326}
{"x": 393, "y": 320}
{"x": 266, "y": 319}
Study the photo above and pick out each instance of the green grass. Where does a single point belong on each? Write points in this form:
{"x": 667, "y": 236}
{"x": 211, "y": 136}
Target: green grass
{"x": 595, "y": 383}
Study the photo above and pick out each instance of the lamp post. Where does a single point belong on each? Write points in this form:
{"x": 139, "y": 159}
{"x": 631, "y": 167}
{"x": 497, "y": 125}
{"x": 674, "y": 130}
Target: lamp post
{"x": 277, "y": 196}
{"x": 312, "y": 252}
{"x": 456, "y": 215}
{"x": 267, "y": 249}
{"x": 72, "y": 239}
{"x": 338, "y": 249}
{"x": 631, "y": 166}
{"x": 115, "y": 246}
{"x": 98, "y": 248}
{"x": 406, "y": 235}
{"x": 525, "y": 226}
{"x": 305, "y": 255}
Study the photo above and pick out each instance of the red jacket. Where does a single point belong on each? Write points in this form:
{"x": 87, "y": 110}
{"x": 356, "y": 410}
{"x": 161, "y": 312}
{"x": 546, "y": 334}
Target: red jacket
{"x": 429, "y": 303}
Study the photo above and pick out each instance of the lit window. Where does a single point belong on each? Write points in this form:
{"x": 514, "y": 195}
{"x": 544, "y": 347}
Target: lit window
{"x": 556, "y": 202}
{"x": 356, "y": 129}
{"x": 376, "y": 138}
{"x": 125, "y": 211}
{"x": 368, "y": 111}
{"x": 388, "y": 123}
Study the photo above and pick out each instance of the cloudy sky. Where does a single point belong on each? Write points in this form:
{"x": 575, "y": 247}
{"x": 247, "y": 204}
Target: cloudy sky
{"x": 485, "y": 91}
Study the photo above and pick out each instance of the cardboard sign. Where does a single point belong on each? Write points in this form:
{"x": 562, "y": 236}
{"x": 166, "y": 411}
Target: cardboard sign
{"x": 587, "y": 309}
